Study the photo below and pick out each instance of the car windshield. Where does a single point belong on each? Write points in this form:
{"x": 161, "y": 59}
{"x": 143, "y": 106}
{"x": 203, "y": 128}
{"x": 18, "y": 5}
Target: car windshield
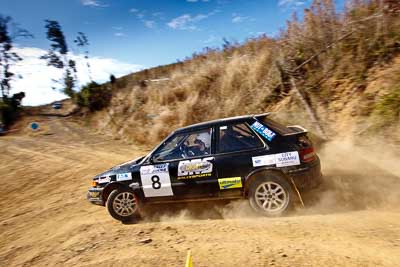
{"x": 167, "y": 147}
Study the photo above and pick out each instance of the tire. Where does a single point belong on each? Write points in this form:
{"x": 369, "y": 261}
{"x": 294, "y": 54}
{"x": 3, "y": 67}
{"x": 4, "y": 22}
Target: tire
{"x": 271, "y": 195}
{"x": 123, "y": 205}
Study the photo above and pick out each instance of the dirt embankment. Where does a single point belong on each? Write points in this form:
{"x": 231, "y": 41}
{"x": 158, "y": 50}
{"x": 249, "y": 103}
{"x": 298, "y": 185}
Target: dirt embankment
{"x": 353, "y": 220}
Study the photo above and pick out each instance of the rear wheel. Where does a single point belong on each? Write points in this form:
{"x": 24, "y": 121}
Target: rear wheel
{"x": 122, "y": 204}
{"x": 271, "y": 195}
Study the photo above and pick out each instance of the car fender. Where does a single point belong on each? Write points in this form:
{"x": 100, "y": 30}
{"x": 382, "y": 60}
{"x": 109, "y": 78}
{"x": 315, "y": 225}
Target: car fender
{"x": 253, "y": 175}
{"x": 110, "y": 187}
{"x": 137, "y": 189}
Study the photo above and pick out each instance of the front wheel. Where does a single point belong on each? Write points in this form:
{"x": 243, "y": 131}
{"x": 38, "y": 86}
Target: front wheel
{"x": 122, "y": 205}
{"x": 271, "y": 195}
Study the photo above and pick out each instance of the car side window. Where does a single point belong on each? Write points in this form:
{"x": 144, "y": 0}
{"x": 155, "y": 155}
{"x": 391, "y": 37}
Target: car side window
{"x": 197, "y": 144}
{"x": 237, "y": 137}
{"x": 185, "y": 146}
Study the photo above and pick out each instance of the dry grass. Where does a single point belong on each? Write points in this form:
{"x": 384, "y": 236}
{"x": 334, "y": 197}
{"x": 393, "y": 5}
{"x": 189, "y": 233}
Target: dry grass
{"x": 222, "y": 88}
{"x": 251, "y": 78}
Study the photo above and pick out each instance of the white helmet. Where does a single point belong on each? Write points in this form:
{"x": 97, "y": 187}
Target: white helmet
{"x": 204, "y": 137}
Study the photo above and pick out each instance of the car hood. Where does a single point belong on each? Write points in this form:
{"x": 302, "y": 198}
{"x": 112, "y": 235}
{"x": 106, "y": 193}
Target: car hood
{"x": 121, "y": 168}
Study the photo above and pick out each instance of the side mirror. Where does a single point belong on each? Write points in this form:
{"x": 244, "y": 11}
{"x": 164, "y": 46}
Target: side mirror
{"x": 153, "y": 159}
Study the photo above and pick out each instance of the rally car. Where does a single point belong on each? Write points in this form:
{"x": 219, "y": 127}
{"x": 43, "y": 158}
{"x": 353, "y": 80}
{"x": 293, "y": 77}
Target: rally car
{"x": 251, "y": 157}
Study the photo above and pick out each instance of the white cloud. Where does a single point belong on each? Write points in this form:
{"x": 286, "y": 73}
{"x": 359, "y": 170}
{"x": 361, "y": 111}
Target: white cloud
{"x": 158, "y": 15}
{"x": 187, "y": 21}
{"x": 119, "y": 34}
{"x": 150, "y": 24}
{"x": 289, "y": 3}
{"x": 194, "y": 1}
{"x": 147, "y": 20}
{"x": 236, "y": 18}
{"x": 183, "y": 22}
{"x": 210, "y": 39}
{"x": 93, "y": 3}
{"x": 37, "y": 78}
{"x": 141, "y": 15}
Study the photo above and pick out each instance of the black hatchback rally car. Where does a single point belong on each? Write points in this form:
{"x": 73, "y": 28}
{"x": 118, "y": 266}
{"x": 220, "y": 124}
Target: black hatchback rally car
{"x": 249, "y": 157}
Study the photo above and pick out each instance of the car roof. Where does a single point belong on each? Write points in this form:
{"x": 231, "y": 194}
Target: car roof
{"x": 219, "y": 121}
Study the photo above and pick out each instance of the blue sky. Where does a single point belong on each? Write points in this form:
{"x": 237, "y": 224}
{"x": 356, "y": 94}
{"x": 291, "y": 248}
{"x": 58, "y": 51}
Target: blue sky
{"x": 151, "y": 33}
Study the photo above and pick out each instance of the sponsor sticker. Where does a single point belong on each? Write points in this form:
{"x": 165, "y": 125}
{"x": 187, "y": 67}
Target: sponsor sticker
{"x": 228, "y": 183}
{"x": 280, "y": 160}
{"x": 195, "y": 168}
{"x": 287, "y": 159}
{"x": 263, "y": 160}
{"x": 103, "y": 180}
{"x": 263, "y": 130}
{"x": 152, "y": 169}
{"x": 124, "y": 176}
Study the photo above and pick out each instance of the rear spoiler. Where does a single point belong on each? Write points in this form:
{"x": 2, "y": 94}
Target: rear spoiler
{"x": 297, "y": 129}
{"x": 258, "y": 116}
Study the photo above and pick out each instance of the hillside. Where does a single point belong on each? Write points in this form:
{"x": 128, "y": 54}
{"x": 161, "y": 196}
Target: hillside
{"x": 335, "y": 73}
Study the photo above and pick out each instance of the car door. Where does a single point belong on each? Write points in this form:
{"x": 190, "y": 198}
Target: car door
{"x": 190, "y": 162}
{"x": 236, "y": 145}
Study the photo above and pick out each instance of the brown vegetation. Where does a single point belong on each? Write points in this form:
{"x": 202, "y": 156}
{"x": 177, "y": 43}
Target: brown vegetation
{"x": 334, "y": 60}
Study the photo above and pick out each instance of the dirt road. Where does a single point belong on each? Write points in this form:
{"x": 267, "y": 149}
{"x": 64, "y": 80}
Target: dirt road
{"x": 46, "y": 221}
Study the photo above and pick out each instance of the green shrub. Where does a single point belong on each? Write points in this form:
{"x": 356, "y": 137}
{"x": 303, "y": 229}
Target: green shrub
{"x": 388, "y": 106}
{"x": 94, "y": 96}
{"x": 9, "y": 108}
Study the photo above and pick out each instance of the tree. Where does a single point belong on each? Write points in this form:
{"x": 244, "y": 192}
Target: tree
{"x": 82, "y": 42}
{"x": 9, "y": 31}
{"x": 112, "y": 79}
{"x": 94, "y": 96}
{"x": 58, "y": 56}
{"x": 9, "y": 106}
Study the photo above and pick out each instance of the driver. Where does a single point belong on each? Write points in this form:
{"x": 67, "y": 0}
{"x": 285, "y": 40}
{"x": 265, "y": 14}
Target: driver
{"x": 203, "y": 143}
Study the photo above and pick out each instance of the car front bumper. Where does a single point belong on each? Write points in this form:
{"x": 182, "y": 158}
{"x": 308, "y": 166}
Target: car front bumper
{"x": 308, "y": 176}
{"x": 95, "y": 196}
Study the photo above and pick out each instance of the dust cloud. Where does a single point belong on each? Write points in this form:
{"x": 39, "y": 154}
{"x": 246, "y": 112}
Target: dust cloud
{"x": 223, "y": 209}
{"x": 356, "y": 177}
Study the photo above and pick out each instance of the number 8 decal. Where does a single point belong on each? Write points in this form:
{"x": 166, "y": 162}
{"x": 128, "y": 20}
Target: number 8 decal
{"x": 156, "y": 181}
